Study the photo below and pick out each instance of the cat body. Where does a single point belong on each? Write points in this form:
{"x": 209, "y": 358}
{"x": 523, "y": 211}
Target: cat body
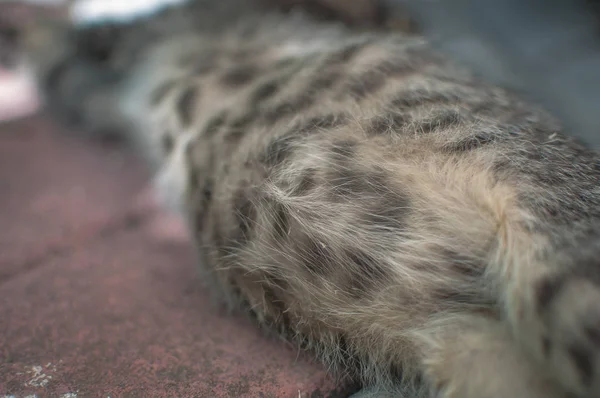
{"x": 357, "y": 193}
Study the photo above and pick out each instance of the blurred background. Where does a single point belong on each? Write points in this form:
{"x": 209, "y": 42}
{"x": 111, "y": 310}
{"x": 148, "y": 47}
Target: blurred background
{"x": 18, "y": 97}
{"x": 547, "y": 50}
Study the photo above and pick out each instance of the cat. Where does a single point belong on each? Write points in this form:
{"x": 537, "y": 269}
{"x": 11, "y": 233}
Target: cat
{"x": 356, "y": 192}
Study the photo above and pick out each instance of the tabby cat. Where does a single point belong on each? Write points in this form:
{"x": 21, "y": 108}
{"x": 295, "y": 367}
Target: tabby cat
{"x": 357, "y": 193}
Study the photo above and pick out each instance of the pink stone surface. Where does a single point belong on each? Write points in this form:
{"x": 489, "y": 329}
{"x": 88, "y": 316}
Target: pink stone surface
{"x": 98, "y": 290}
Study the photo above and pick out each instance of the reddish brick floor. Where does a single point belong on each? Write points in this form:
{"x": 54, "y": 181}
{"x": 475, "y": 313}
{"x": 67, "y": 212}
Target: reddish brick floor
{"x": 98, "y": 295}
